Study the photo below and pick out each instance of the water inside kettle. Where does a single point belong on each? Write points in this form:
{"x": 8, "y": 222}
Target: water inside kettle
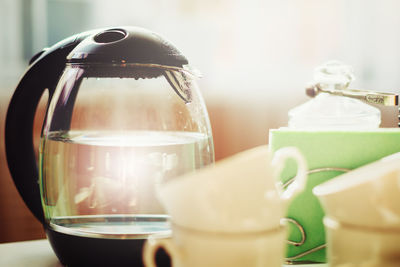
{"x": 102, "y": 184}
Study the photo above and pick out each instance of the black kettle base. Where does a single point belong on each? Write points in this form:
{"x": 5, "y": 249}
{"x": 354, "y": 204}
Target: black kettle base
{"x": 78, "y": 251}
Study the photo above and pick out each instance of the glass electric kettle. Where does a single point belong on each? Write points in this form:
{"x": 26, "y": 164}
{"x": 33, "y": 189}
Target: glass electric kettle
{"x": 124, "y": 115}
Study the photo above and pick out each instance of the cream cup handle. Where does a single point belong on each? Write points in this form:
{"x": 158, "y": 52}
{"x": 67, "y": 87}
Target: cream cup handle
{"x": 299, "y": 181}
{"x": 153, "y": 244}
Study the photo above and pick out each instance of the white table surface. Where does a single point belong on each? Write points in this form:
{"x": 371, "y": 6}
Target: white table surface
{"x": 38, "y": 253}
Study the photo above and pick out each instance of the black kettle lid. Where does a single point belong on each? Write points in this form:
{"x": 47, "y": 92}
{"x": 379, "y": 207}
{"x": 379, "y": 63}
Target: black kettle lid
{"x": 125, "y": 45}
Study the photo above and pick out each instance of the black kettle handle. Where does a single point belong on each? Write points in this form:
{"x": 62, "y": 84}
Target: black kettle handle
{"x": 43, "y": 73}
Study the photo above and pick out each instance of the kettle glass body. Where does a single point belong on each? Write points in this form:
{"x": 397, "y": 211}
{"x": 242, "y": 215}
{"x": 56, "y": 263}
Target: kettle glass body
{"x": 108, "y": 142}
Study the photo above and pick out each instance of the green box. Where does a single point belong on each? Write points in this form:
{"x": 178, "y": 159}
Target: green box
{"x": 323, "y": 150}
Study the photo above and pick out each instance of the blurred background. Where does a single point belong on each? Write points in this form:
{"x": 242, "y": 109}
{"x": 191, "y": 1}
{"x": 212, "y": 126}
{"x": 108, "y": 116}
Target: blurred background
{"x": 256, "y": 56}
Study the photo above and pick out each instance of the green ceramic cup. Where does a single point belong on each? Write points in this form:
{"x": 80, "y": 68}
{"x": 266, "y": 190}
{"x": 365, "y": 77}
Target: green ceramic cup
{"x": 328, "y": 154}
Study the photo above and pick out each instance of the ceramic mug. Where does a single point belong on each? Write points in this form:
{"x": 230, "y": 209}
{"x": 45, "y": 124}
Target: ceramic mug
{"x": 362, "y": 221}
{"x": 368, "y": 196}
{"x": 239, "y": 194}
{"x": 194, "y": 248}
{"x": 360, "y": 246}
{"x": 229, "y": 214}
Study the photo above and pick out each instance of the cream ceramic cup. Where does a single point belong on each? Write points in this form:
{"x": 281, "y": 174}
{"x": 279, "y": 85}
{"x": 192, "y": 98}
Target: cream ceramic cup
{"x": 240, "y": 193}
{"x": 193, "y": 248}
{"x": 229, "y": 214}
{"x": 367, "y": 196}
{"x": 358, "y": 246}
{"x": 362, "y": 221}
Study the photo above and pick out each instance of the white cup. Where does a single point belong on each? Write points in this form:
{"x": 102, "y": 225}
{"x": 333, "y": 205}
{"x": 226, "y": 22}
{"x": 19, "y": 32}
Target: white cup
{"x": 362, "y": 221}
{"x": 367, "y": 196}
{"x": 194, "y": 248}
{"x": 230, "y": 214}
{"x": 358, "y": 246}
{"x": 240, "y": 193}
